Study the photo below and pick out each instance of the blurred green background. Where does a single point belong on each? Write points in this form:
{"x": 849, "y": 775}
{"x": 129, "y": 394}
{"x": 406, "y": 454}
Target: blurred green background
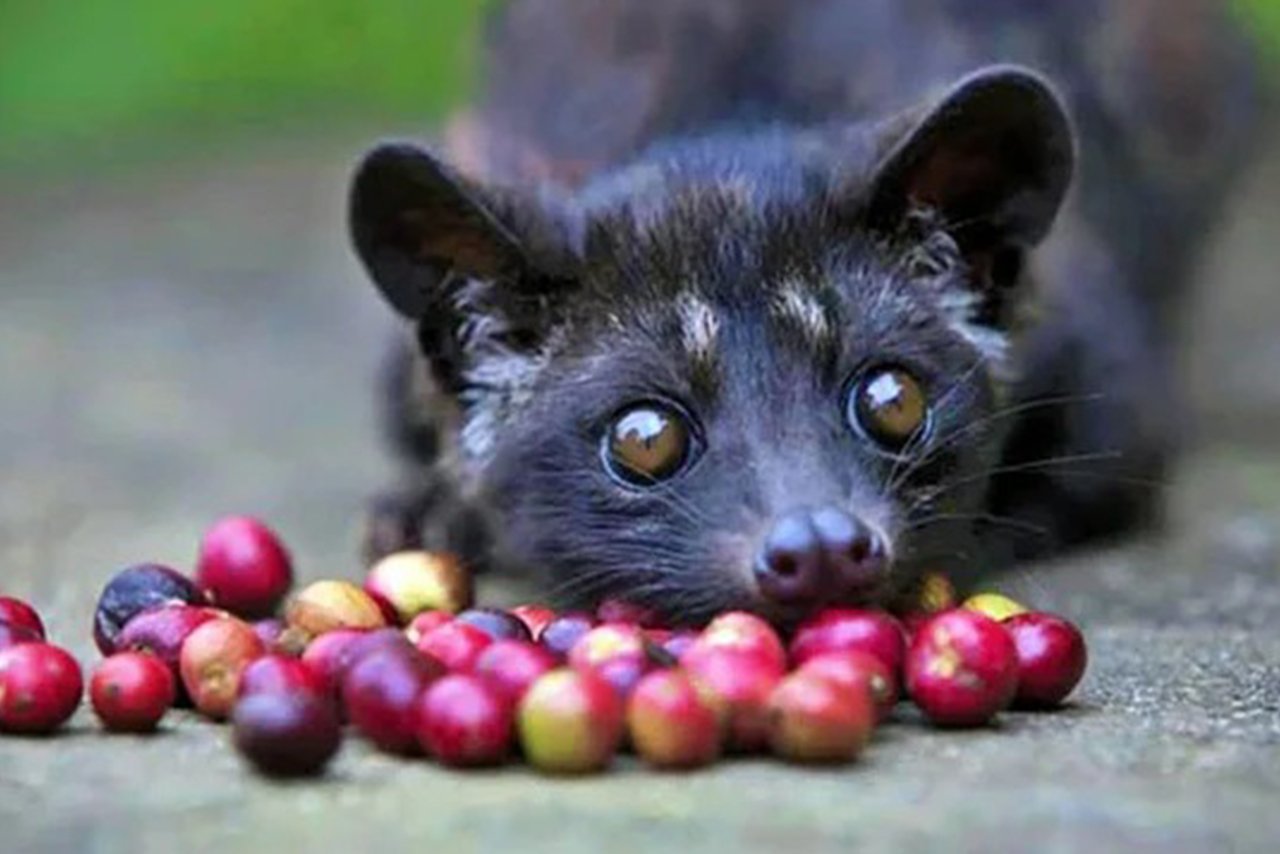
{"x": 106, "y": 80}
{"x": 111, "y": 81}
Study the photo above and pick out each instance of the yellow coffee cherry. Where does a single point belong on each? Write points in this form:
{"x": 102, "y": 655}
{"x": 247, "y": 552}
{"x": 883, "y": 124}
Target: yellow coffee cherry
{"x": 997, "y": 606}
{"x": 935, "y": 593}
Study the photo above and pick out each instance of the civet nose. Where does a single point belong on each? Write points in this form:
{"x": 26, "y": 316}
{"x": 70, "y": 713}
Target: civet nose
{"x": 823, "y": 555}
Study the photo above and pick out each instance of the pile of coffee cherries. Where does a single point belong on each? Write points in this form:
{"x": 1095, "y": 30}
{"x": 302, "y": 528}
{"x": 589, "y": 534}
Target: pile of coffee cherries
{"x": 409, "y": 664}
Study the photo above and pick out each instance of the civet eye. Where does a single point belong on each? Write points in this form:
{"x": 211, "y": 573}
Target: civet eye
{"x": 889, "y": 406}
{"x": 647, "y": 443}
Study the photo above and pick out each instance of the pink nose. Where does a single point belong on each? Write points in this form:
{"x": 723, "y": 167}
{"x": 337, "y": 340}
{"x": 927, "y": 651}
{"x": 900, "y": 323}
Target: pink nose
{"x": 815, "y": 556}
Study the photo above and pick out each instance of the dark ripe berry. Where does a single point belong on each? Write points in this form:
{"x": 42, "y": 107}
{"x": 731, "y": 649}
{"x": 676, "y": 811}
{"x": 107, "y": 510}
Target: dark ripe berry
{"x": 1051, "y": 658}
{"x": 677, "y": 643}
{"x": 131, "y": 691}
{"x": 280, "y": 674}
{"x": 379, "y": 692}
{"x": 860, "y": 671}
{"x": 671, "y": 724}
{"x": 325, "y": 606}
{"x": 560, "y": 635}
{"x": 962, "y": 668}
{"x": 286, "y": 735}
{"x": 510, "y": 667}
{"x": 623, "y": 673}
{"x": 409, "y": 583}
{"x": 617, "y": 652}
{"x": 570, "y": 722}
{"x": 496, "y": 623}
{"x": 814, "y": 719}
{"x": 11, "y": 635}
{"x": 463, "y": 721}
{"x": 270, "y": 631}
{"x": 534, "y": 617}
{"x": 425, "y": 622}
{"x": 737, "y": 683}
{"x": 162, "y": 631}
{"x": 370, "y": 641}
{"x": 456, "y": 645}
{"x": 327, "y": 656}
{"x": 243, "y": 567}
{"x": 620, "y": 611}
{"x": 15, "y": 612}
{"x": 747, "y": 633}
{"x": 213, "y": 659}
{"x": 40, "y": 687}
{"x": 332, "y": 663}
{"x": 134, "y": 590}
{"x": 875, "y": 632}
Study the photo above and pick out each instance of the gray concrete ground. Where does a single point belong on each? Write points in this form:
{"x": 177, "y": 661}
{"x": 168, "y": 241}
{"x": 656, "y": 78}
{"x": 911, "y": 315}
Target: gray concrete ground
{"x": 195, "y": 339}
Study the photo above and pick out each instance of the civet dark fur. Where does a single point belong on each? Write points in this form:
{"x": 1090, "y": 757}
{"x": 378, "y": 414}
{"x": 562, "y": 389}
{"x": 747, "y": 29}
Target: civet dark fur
{"x": 737, "y": 207}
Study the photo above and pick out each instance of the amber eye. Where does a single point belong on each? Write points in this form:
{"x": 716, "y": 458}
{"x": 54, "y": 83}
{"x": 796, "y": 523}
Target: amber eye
{"x": 647, "y": 443}
{"x": 889, "y": 406}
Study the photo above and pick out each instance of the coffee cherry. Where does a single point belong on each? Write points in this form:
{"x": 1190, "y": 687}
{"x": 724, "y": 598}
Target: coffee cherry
{"x": 132, "y": 691}
{"x": 379, "y": 693}
{"x": 15, "y": 612}
{"x": 961, "y": 668}
{"x": 456, "y": 645}
{"x": 243, "y": 567}
{"x": 324, "y": 606}
{"x": 271, "y": 632}
{"x": 11, "y": 635}
{"x": 737, "y": 684}
{"x": 1051, "y": 658}
{"x": 858, "y": 671}
{"x": 746, "y": 632}
{"x": 134, "y": 590}
{"x": 559, "y": 635}
{"x": 995, "y": 605}
{"x": 535, "y": 617}
{"x": 213, "y": 658}
{"x": 463, "y": 721}
{"x": 279, "y": 674}
{"x": 496, "y": 623}
{"x": 874, "y": 632}
{"x": 328, "y": 656}
{"x": 570, "y": 722}
{"x": 162, "y": 631}
{"x": 815, "y": 719}
{"x": 409, "y": 583}
{"x": 40, "y": 688}
{"x": 425, "y": 622}
{"x": 286, "y": 735}
{"x": 671, "y": 724}
{"x": 678, "y": 642}
{"x": 510, "y": 667}
{"x": 617, "y": 652}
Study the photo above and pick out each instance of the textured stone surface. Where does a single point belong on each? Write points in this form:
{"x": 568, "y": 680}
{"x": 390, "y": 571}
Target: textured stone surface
{"x": 174, "y": 346}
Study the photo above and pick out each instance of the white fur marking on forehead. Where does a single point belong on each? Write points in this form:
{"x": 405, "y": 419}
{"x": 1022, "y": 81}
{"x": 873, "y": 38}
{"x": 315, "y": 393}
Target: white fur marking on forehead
{"x": 699, "y": 326}
{"x": 797, "y": 304}
{"x": 959, "y": 308}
